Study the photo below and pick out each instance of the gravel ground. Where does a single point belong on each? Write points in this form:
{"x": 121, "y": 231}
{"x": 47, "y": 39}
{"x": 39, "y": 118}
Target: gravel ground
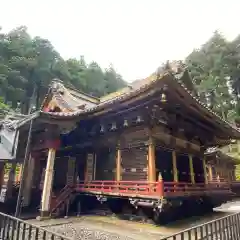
{"x": 76, "y": 231}
{"x": 103, "y": 228}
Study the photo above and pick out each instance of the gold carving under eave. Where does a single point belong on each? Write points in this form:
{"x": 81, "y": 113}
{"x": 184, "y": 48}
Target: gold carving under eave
{"x": 53, "y": 104}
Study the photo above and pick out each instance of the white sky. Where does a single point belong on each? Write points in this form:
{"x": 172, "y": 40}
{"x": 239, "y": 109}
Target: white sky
{"x": 136, "y": 36}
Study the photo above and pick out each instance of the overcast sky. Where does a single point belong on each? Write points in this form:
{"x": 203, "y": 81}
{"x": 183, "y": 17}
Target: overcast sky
{"x": 136, "y": 36}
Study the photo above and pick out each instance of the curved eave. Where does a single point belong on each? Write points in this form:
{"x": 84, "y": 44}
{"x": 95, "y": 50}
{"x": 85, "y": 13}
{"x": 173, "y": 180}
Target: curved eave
{"x": 200, "y": 109}
{"x": 107, "y": 106}
{"x": 210, "y": 115}
{"x": 46, "y": 99}
{"x": 224, "y": 156}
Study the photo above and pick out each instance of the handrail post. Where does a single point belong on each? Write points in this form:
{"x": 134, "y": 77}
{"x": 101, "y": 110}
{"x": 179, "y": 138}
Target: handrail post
{"x": 160, "y": 185}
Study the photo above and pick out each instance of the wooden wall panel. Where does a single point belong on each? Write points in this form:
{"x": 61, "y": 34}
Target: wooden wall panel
{"x": 71, "y": 171}
{"x": 90, "y": 167}
{"x": 134, "y": 150}
{"x": 135, "y": 137}
{"x": 134, "y": 164}
{"x": 105, "y": 164}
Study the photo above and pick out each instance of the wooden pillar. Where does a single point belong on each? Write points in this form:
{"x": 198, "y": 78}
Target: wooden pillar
{"x": 94, "y": 166}
{"x": 19, "y": 173}
{"x": 1, "y": 174}
{"x": 11, "y": 180}
{"x": 205, "y": 170}
{"x": 118, "y": 164}
{"x": 192, "y": 175}
{"x": 28, "y": 181}
{"x": 229, "y": 175}
{"x": 174, "y": 163}
{"x": 210, "y": 172}
{"x": 234, "y": 174}
{"x": 47, "y": 186}
{"x": 151, "y": 161}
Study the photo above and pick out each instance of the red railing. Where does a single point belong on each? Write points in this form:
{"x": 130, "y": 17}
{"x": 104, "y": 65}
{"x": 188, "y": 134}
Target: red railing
{"x": 123, "y": 187}
{"x": 235, "y": 186}
{"x": 185, "y": 189}
{"x": 154, "y": 189}
{"x": 235, "y": 183}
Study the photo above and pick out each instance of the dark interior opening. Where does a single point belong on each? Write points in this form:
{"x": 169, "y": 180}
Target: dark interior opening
{"x": 81, "y": 165}
{"x": 183, "y": 167}
{"x": 105, "y": 163}
{"x": 164, "y": 164}
{"x": 198, "y": 170}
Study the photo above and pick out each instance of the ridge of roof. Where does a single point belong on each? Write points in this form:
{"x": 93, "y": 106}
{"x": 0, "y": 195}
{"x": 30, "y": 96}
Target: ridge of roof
{"x": 81, "y": 92}
{"x": 153, "y": 78}
{"x": 70, "y": 98}
{"x": 103, "y": 104}
{"x": 218, "y": 152}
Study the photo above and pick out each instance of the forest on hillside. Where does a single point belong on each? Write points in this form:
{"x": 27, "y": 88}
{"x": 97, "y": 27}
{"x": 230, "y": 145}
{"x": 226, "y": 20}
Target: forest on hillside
{"x": 215, "y": 70}
{"x": 27, "y": 63}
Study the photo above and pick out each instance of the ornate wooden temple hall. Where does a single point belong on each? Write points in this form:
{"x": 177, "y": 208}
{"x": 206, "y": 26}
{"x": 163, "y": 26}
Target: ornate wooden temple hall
{"x": 142, "y": 146}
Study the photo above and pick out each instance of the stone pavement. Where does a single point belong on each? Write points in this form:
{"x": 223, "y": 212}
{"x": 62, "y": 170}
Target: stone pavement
{"x": 229, "y": 207}
{"x": 101, "y": 228}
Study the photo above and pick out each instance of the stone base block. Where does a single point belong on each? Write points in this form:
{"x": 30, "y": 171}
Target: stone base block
{"x": 43, "y": 215}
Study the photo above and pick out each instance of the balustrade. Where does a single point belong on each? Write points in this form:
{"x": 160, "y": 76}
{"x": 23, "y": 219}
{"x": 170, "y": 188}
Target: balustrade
{"x": 154, "y": 189}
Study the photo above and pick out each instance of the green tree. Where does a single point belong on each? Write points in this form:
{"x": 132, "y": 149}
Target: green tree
{"x": 213, "y": 68}
{"x": 113, "y": 80}
{"x": 31, "y": 63}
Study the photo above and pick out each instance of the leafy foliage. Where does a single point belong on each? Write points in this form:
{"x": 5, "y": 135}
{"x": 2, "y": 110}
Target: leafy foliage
{"x": 3, "y": 106}
{"x": 215, "y": 69}
{"x": 27, "y": 62}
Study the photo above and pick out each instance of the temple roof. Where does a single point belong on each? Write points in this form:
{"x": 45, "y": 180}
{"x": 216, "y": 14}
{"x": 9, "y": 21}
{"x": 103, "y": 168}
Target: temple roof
{"x": 74, "y": 105}
{"x": 217, "y": 153}
{"x": 175, "y": 78}
{"x": 66, "y": 98}
{"x": 9, "y": 134}
{"x": 174, "y": 72}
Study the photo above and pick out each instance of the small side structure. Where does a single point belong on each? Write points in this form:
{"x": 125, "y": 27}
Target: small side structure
{"x": 220, "y": 166}
{"x": 9, "y": 164}
{"x": 142, "y": 146}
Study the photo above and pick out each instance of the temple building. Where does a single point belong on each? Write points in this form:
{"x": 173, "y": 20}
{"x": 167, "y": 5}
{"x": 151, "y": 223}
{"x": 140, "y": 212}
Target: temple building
{"x": 143, "y": 145}
{"x": 220, "y": 166}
